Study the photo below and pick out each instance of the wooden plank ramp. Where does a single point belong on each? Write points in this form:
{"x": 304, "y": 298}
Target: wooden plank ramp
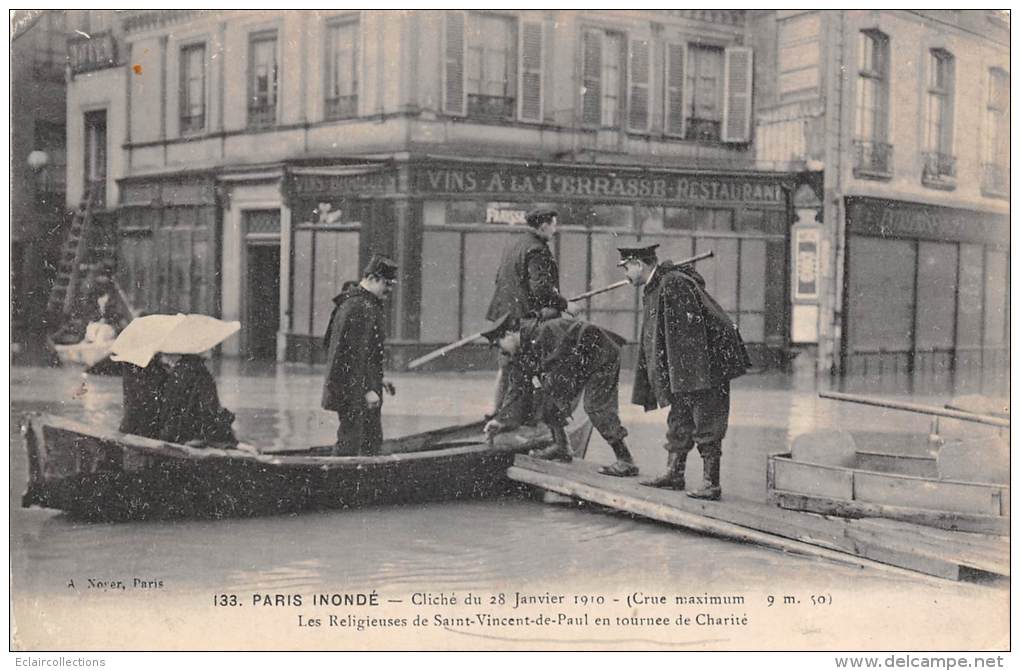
{"x": 843, "y": 540}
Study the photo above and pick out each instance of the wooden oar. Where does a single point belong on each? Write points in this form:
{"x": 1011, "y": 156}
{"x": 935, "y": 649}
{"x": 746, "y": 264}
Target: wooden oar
{"x": 915, "y": 407}
{"x": 616, "y": 285}
{"x": 446, "y": 349}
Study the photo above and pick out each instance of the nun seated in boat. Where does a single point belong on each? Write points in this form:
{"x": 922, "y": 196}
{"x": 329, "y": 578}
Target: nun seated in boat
{"x": 190, "y": 410}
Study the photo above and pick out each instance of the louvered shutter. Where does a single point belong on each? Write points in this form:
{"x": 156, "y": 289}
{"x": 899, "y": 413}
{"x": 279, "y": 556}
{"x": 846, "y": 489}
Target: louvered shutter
{"x": 591, "y": 96}
{"x": 530, "y": 98}
{"x": 676, "y": 57}
{"x": 739, "y": 70}
{"x": 454, "y": 101}
{"x": 639, "y": 67}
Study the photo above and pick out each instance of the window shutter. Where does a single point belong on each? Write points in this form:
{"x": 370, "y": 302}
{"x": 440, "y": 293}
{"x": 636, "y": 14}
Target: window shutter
{"x": 739, "y": 71}
{"x": 638, "y": 77}
{"x": 591, "y": 92}
{"x": 530, "y": 98}
{"x": 675, "y": 59}
{"x": 454, "y": 101}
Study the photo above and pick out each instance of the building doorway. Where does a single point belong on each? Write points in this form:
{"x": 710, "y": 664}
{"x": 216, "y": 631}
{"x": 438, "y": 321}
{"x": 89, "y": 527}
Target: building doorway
{"x": 262, "y": 300}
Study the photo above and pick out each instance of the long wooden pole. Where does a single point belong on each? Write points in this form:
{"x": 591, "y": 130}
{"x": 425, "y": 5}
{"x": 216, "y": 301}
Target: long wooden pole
{"x": 444, "y": 350}
{"x": 616, "y": 285}
{"x": 914, "y": 407}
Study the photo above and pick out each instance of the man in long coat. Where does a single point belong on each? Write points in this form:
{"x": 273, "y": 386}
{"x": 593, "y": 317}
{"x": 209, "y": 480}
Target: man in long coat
{"x": 567, "y": 357}
{"x": 354, "y": 382}
{"x": 527, "y": 282}
{"x": 689, "y": 351}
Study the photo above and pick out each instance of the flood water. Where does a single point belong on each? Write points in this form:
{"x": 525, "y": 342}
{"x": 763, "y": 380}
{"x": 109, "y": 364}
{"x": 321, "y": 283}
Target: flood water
{"x": 508, "y": 545}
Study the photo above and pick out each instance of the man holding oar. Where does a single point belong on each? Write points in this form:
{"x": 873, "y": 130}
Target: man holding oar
{"x": 688, "y": 353}
{"x": 566, "y": 357}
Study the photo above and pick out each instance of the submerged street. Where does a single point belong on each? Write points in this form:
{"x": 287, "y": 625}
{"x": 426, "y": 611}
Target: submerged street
{"x": 517, "y": 547}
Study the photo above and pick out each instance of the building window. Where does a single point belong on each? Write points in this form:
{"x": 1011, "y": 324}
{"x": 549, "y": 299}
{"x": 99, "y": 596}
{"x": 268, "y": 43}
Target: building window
{"x": 996, "y": 150}
{"x": 939, "y": 162}
{"x": 262, "y": 82}
{"x": 491, "y": 72}
{"x": 342, "y": 70}
{"x": 873, "y": 155}
{"x": 603, "y": 80}
{"x": 95, "y": 155}
{"x": 703, "y": 107}
{"x": 192, "y": 91}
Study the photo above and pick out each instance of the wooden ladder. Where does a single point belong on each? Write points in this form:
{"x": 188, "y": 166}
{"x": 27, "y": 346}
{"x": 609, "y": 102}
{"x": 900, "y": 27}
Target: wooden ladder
{"x": 72, "y": 257}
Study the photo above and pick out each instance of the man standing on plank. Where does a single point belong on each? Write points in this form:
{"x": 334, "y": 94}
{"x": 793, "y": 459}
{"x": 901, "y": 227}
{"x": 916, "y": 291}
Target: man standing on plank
{"x": 689, "y": 351}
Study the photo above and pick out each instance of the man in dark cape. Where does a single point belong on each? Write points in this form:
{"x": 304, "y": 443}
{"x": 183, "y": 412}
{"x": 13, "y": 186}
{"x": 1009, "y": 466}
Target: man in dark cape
{"x": 190, "y": 410}
{"x": 527, "y": 281}
{"x": 567, "y": 357}
{"x": 355, "y": 337}
{"x": 143, "y": 395}
{"x": 689, "y": 351}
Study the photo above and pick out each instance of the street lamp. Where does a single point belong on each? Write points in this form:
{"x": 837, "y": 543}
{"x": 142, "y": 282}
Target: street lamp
{"x": 38, "y": 160}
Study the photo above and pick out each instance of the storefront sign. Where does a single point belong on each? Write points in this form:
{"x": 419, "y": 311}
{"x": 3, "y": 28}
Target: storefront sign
{"x": 607, "y": 184}
{"x": 341, "y": 182}
{"x": 95, "y": 52}
{"x": 897, "y": 219}
{"x": 806, "y": 264}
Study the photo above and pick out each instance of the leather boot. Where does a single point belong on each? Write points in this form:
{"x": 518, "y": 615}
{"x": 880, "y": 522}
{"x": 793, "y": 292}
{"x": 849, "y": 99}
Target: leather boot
{"x": 711, "y": 490}
{"x": 558, "y": 451}
{"x": 624, "y": 466}
{"x": 673, "y": 478}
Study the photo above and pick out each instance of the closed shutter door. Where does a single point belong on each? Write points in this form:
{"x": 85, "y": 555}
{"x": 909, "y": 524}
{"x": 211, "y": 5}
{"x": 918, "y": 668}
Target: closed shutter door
{"x": 453, "y": 72}
{"x": 638, "y": 89}
{"x": 675, "y": 59}
{"x": 737, "y": 106}
{"x": 531, "y": 72}
{"x": 591, "y": 93}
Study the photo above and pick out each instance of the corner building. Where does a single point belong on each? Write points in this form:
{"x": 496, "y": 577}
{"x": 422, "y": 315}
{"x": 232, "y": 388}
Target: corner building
{"x": 258, "y": 159}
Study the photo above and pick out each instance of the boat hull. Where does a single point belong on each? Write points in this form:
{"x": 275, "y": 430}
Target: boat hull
{"x": 104, "y": 475}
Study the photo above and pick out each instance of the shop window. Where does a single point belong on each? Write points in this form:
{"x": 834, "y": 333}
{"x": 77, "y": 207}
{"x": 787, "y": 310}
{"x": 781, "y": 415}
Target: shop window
{"x": 192, "y": 88}
{"x": 263, "y": 79}
{"x": 342, "y": 69}
{"x": 649, "y": 219}
{"x": 596, "y": 216}
{"x": 678, "y": 219}
{"x": 698, "y": 219}
{"x": 465, "y": 212}
{"x": 873, "y": 154}
{"x": 995, "y": 180}
{"x": 939, "y": 162}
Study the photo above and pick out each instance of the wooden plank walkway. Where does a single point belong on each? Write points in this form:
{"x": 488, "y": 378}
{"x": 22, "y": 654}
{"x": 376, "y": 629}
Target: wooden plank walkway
{"x": 858, "y": 542}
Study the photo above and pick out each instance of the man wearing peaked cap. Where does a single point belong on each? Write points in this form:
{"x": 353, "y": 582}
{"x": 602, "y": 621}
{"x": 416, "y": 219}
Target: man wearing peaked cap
{"x": 570, "y": 357}
{"x": 689, "y": 351}
{"x": 354, "y": 380}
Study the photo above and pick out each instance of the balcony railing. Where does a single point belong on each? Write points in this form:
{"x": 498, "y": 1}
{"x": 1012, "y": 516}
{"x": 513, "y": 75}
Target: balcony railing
{"x": 872, "y": 160}
{"x": 193, "y": 123}
{"x": 342, "y": 107}
{"x": 995, "y": 180}
{"x": 261, "y": 115}
{"x": 494, "y": 108}
{"x": 702, "y": 129}
{"x": 939, "y": 170}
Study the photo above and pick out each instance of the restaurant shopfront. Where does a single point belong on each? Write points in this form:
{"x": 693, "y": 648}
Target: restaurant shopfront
{"x": 447, "y": 222}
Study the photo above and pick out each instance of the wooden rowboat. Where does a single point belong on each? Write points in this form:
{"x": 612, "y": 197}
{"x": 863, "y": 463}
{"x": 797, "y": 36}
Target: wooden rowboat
{"x": 94, "y": 473}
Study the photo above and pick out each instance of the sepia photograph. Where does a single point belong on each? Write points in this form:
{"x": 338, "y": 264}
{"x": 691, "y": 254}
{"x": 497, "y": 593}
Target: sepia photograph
{"x": 510, "y": 330}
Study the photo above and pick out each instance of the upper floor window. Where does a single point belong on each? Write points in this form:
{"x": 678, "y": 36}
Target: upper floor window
{"x": 192, "y": 90}
{"x": 939, "y": 162}
{"x": 491, "y": 72}
{"x": 262, "y": 79}
{"x": 342, "y": 69}
{"x": 704, "y": 105}
{"x": 602, "y": 79}
{"x": 95, "y": 154}
{"x": 873, "y": 153}
{"x": 492, "y": 66}
{"x": 996, "y": 134}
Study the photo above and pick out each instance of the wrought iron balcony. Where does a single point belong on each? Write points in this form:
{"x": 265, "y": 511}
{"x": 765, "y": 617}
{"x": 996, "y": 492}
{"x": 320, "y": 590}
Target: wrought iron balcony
{"x": 872, "y": 160}
{"x": 193, "y": 123}
{"x": 493, "y": 108}
{"x": 939, "y": 170}
{"x": 995, "y": 180}
{"x": 707, "y": 130}
{"x": 261, "y": 114}
{"x": 342, "y": 107}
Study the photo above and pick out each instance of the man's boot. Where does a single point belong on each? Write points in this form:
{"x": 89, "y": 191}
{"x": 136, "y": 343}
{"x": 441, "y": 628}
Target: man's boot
{"x": 673, "y": 478}
{"x": 558, "y": 451}
{"x": 711, "y": 491}
{"x": 624, "y": 466}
